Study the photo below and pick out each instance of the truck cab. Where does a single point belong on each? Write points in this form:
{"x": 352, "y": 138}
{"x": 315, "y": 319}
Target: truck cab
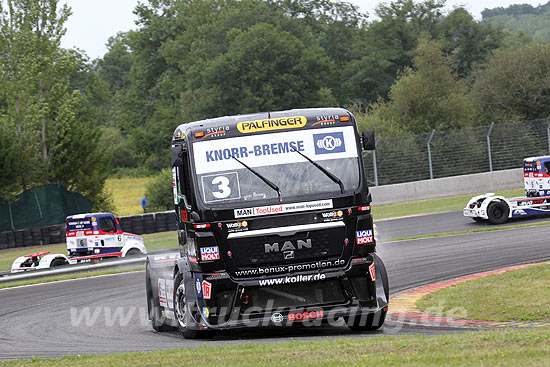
{"x": 274, "y": 224}
{"x": 536, "y": 176}
{"x": 99, "y": 235}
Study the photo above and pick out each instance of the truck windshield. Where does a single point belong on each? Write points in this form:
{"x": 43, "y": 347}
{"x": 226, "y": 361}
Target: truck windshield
{"x": 79, "y": 224}
{"x": 223, "y": 180}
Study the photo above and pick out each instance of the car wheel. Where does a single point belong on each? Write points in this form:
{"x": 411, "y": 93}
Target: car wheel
{"x": 58, "y": 262}
{"x": 497, "y": 212}
{"x": 182, "y": 313}
{"x": 133, "y": 252}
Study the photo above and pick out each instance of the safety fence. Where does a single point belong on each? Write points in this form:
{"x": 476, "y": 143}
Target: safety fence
{"x": 41, "y": 236}
{"x": 456, "y": 152}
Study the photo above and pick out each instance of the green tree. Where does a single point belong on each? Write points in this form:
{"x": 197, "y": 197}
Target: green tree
{"x": 514, "y": 84}
{"x": 388, "y": 46}
{"x": 468, "y": 42}
{"x": 427, "y": 96}
{"x": 10, "y": 161}
{"x": 264, "y": 69}
{"x": 160, "y": 192}
{"x": 47, "y": 102}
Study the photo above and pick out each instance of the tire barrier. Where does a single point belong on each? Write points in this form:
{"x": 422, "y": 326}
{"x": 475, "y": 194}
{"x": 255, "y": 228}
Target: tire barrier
{"x": 41, "y": 236}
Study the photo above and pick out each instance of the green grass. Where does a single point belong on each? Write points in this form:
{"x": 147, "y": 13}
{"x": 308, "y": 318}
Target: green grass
{"x": 69, "y": 276}
{"x": 489, "y": 348}
{"x": 520, "y": 295}
{"x": 153, "y": 241}
{"x": 127, "y": 194}
{"x": 441, "y": 205}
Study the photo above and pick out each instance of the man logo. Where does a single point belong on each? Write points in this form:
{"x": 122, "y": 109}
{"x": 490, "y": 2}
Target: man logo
{"x": 287, "y": 246}
{"x": 329, "y": 143}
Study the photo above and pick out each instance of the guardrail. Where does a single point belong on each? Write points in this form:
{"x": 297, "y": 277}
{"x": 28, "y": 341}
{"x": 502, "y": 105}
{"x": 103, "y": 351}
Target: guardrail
{"x": 74, "y": 269}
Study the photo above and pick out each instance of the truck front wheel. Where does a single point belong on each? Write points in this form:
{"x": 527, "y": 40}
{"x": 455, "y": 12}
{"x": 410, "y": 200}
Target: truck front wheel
{"x": 498, "y": 212}
{"x": 373, "y": 321}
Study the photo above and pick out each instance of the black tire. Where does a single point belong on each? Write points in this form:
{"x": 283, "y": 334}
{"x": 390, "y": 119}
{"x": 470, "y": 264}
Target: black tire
{"x": 181, "y": 311}
{"x": 133, "y": 252}
{"x": 58, "y": 262}
{"x": 375, "y": 320}
{"x": 152, "y": 307}
{"x": 497, "y": 212}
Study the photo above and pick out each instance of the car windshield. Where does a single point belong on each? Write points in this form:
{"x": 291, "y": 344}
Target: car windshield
{"x": 253, "y": 167}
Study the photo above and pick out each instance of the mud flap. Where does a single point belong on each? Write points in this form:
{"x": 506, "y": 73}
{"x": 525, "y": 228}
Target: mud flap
{"x": 160, "y": 290}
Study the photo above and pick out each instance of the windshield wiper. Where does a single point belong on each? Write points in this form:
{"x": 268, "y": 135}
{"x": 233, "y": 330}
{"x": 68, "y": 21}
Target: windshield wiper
{"x": 264, "y": 179}
{"x": 323, "y": 169}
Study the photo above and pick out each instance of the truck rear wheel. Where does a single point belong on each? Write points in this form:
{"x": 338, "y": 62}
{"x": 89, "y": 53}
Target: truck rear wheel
{"x": 153, "y": 307}
{"x": 182, "y": 313}
{"x": 497, "y": 212}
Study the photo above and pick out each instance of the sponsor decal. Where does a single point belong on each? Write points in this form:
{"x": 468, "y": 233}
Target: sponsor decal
{"x": 217, "y": 155}
{"x": 271, "y": 124}
{"x": 216, "y": 131}
{"x": 332, "y": 216}
{"x": 283, "y": 208}
{"x": 254, "y": 151}
{"x": 206, "y": 289}
{"x": 292, "y": 279}
{"x": 291, "y": 268}
{"x": 311, "y": 315}
{"x": 198, "y": 286}
{"x": 192, "y": 259}
{"x": 210, "y": 253}
{"x": 277, "y": 317}
{"x": 364, "y": 237}
{"x": 329, "y": 143}
{"x": 237, "y": 226}
{"x": 162, "y": 292}
{"x": 520, "y": 212}
{"x": 326, "y": 120}
{"x": 205, "y": 312}
{"x": 170, "y": 292}
{"x": 372, "y": 272}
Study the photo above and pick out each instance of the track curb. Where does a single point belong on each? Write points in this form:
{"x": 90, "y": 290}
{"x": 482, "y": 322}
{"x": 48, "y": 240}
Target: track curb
{"x": 403, "y": 306}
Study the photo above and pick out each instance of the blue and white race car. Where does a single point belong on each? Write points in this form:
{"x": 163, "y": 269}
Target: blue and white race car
{"x": 90, "y": 237}
{"x": 497, "y": 209}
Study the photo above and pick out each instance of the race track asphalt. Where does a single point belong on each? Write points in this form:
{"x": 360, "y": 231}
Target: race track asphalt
{"x": 49, "y": 319}
{"x": 439, "y": 223}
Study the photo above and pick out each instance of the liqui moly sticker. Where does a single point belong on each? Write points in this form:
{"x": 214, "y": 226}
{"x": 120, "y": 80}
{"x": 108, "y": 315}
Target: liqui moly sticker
{"x": 206, "y": 289}
{"x": 372, "y": 272}
{"x": 283, "y": 208}
{"x": 210, "y": 253}
{"x": 364, "y": 237}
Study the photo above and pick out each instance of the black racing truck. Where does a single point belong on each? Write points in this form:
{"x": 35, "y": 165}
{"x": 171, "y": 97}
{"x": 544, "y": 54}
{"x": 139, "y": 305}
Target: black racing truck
{"x": 274, "y": 225}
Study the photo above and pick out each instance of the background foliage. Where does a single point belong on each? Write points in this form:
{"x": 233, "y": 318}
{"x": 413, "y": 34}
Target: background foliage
{"x": 407, "y": 70}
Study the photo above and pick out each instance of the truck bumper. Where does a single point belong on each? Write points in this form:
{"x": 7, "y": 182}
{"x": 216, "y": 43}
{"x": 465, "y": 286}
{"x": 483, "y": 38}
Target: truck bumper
{"x": 305, "y": 298}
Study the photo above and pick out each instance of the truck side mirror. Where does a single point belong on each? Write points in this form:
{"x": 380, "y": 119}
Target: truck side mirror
{"x": 176, "y": 154}
{"x": 369, "y": 143}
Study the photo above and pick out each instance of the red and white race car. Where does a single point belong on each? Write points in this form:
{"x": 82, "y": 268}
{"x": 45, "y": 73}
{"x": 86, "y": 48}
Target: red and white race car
{"x": 89, "y": 237}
